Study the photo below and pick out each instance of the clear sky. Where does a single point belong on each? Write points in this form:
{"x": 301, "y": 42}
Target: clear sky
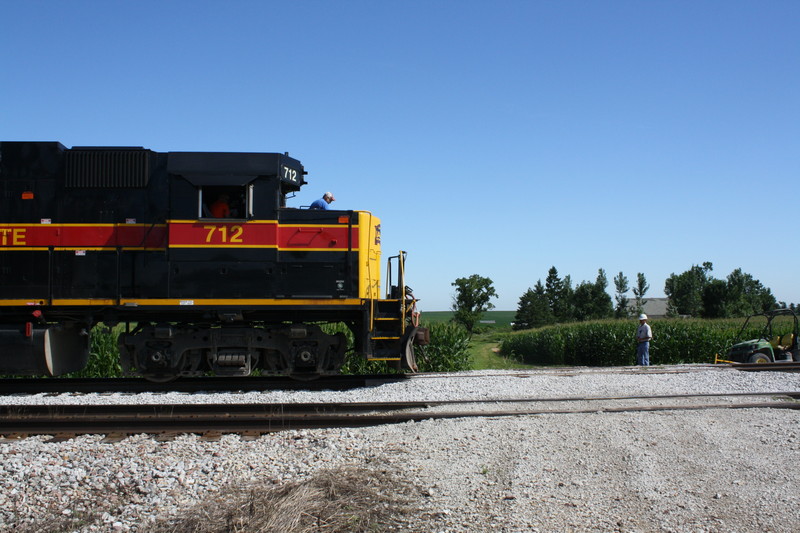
{"x": 497, "y": 138}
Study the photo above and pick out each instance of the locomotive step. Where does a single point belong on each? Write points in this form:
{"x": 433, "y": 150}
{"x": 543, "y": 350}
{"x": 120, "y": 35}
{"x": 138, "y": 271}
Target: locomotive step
{"x": 385, "y": 354}
{"x": 389, "y": 333}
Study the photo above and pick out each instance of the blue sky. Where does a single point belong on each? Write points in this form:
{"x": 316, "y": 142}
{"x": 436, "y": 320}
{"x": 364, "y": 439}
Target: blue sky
{"x": 495, "y": 138}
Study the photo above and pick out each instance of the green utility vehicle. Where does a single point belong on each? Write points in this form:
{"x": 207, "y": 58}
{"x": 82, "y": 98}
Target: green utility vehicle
{"x": 778, "y": 341}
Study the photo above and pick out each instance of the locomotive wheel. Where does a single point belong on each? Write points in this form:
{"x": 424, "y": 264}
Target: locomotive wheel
{"x": 408, "y": 357}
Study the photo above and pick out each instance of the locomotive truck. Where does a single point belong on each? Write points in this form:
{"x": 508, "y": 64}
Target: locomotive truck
{"x": 125, "y": 235}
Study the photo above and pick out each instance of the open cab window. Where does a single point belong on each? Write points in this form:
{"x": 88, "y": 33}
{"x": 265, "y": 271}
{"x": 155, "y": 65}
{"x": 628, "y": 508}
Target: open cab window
{"x": 225, "y": 202}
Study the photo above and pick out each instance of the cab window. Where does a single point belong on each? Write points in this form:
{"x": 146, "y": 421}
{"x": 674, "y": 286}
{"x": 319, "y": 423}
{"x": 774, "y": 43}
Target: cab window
{"x": 225, "y": 202}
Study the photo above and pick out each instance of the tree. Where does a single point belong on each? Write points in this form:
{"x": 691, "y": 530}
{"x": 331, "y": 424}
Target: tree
{"x": 746, "y": 295}
{"x": 533, "y": 310}
{"x": 621, "y": 286}
{"x": 566, "y": 311}
{"x": 685, "y": 291}
{"x": 582, "y": 298}
{"x": 591, "y": 301}
{"x": 602, "y": 301}
{"x": 603, "y": 308}
{"x": 472, "y": 299}
{"x": 696, "y": 293}
{"x": 554, "y": 288}
{"x": 639, "y": 291}
{"x": 715, "y": 299}
{"x": 559, "y": 295}
{"x": 522, "y": 320}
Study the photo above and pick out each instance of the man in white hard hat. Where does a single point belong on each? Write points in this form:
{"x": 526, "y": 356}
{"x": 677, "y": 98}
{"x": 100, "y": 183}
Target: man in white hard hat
{"x": 643, "y": 336}
{"x": 323, "y": 202}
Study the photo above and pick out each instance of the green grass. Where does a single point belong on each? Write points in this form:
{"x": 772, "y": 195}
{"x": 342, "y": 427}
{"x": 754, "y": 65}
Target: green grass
{"x": 485, "y": 342}
{"x": 502, "y": 319}
{"x": 484, "y": 354}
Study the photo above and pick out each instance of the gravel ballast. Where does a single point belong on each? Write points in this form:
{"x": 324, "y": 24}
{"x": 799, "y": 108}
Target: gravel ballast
{"x": 706, "y": 470}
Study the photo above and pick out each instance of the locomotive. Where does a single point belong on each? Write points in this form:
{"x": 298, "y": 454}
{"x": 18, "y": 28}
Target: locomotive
{"x": 126, "y": 235}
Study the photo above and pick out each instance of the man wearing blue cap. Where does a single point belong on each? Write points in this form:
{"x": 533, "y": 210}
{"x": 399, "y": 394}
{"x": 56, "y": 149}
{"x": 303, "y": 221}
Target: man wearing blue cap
{"x": 323, "y": 202}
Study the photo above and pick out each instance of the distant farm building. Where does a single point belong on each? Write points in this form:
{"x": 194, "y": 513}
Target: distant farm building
{"x": 653, "y": 307}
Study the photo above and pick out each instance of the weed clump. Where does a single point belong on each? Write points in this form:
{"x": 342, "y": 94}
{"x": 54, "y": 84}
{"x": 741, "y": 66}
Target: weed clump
{"x": 347, "y": 499}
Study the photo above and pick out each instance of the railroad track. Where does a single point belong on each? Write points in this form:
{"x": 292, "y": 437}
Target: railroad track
{"x": 637, "y": 370}
{"x": 250, "y": 420}
{"x": 190, "y": 385}
{"x": 343, "y": 382}
{"x": 767, "y": 367}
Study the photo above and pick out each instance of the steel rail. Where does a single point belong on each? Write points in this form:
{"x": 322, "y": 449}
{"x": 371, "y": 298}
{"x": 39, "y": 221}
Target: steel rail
{"x": 188, "y": 385}
{"x": 572, "y": 371}
{"x": 767, "y": 367}
{"x": 203, "y": 425}
{"x": 69, "y": 420}
{"x": 654, "y": 369}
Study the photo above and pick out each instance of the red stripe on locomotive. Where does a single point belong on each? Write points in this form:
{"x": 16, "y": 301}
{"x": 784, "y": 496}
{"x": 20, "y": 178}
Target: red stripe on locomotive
{"x": 83, "y": 236}
{"x": 243, "y": 234}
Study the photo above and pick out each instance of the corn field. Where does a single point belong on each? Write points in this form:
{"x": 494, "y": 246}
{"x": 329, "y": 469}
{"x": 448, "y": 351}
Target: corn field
{"x": 613, "y": 342}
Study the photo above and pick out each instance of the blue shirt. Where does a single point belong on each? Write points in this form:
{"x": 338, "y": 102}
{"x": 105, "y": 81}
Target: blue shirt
{"x": 644, "y": 332}
{"x": 319, "y": 204}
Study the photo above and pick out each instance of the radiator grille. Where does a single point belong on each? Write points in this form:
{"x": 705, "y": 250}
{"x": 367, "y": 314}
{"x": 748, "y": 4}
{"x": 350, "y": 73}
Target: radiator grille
{"x": 107, "y": 168}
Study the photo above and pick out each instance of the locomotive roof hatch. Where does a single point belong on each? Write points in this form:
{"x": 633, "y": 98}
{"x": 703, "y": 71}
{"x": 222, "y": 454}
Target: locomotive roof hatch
{"x": 232, "y": 168}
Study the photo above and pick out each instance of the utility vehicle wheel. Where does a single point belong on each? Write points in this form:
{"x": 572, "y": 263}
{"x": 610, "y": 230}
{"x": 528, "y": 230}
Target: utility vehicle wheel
{"x": 759, "y": 358}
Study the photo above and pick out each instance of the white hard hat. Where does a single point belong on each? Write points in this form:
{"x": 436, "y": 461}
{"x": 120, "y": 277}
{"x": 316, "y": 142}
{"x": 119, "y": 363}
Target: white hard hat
{"x": 643, "y": 317}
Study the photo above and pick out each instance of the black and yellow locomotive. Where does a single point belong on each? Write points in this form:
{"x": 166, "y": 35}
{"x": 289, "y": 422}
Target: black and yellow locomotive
{"x": 116, "y": 235}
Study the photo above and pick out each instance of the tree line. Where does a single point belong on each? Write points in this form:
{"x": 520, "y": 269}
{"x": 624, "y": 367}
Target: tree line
{"x": 694, "y": 293}
{"x": 556, "y": 301}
